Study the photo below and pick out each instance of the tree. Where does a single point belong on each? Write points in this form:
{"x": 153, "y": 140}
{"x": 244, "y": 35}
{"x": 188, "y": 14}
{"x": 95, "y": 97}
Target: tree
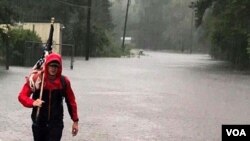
{"x": 228, "y": 29}
{"x": 155, "y": 24}
{"x": 20, "y": 52}
{"x": 71, "y": 13}
{"x": 6, "y": 18}
{"x": 151, "y": 24}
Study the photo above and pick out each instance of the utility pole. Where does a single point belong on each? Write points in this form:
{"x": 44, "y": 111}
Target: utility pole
{"x": 7, "y": 52}
{"x": 125, "y": 26}
{"x": 192, "y": 6}
{"x": 88, "y": 31}
{"x": 6, "y": 41}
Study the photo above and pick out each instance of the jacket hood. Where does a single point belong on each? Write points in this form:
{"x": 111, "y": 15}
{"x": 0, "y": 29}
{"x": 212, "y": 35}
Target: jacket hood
{"x": 51, "y": 58}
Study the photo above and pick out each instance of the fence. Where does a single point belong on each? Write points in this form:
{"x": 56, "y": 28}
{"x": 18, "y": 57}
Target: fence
{"x": 33, "y": 51}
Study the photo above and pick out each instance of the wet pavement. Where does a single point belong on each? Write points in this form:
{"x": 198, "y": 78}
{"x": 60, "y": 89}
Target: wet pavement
{"x": 157, "y": 97}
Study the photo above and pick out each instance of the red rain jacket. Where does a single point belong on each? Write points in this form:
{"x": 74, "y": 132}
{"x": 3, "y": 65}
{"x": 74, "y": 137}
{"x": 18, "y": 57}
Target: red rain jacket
{"x": 51, "y": 87}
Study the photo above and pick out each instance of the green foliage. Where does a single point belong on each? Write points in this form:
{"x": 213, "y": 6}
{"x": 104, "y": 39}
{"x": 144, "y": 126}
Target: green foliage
{"x": 101, "y": 44}
{"x": 18, "y": 38}
{"x": 7, "y": 14}
{"x": 71, "y": 13}
{"x": 200, "y": 7}
{"x": 228, "y": 29}
{"x": 248, "y": 42}
{"x": 178, "y": 25}
{"x": 155, "y": 24}
{"x": 151, "y": 26}
{"x": 128, "y": 49}
{"x": 6, "y": 17}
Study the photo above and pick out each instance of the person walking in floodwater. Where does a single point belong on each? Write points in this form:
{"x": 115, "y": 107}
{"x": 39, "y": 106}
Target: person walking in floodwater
{"x": 47, "y": 113}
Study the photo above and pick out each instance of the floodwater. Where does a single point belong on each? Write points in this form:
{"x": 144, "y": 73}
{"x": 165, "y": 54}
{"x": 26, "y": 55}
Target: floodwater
{"x": 157, "y": 97}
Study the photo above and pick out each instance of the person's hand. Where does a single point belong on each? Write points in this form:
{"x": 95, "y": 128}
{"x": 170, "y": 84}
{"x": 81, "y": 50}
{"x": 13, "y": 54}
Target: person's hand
{"x": 75, "y": 128}
{"x": 38, "y": 103}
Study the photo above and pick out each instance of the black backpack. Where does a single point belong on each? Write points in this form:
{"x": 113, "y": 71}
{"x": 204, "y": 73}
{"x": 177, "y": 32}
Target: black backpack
{"x": 64, "y": 85}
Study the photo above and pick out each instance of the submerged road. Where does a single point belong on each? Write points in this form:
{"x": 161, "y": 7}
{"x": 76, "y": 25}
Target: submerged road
{"x": 157, "y": 97}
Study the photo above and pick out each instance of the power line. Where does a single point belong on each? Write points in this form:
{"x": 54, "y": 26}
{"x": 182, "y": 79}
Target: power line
{"x": 72, "y": 4}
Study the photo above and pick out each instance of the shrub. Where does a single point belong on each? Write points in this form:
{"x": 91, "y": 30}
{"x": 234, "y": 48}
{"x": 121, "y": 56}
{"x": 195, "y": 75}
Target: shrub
{"x": 18, "y": 39}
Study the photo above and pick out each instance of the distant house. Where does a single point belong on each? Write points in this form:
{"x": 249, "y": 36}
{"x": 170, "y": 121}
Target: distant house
{"x": 43, "y": 29}
{"x": 127, "y": 40}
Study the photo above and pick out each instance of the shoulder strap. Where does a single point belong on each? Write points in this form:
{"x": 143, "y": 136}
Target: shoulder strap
{"x": 64, "y": 84}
